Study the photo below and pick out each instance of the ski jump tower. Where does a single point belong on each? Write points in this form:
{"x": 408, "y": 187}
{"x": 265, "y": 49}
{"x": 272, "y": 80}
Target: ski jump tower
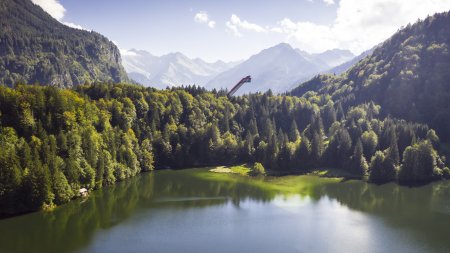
{"x": 246, "y": 79}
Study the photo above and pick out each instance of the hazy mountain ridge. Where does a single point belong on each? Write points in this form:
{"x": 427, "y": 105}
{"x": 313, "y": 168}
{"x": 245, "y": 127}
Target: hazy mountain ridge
{"x": 278, "y": 68}
{"x": 173, "y": 69}
{"x": 334, "y": 57}
{"x": 347, "y": 65}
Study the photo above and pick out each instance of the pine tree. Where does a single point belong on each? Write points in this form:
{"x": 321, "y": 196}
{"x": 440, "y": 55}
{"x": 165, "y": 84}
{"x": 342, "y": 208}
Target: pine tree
{"x": 303, "y": 153}
{"x": 147, "y": 159}
{"x": 272, "y": 152}
{"x": 269, "y": 130}
{"x": 360, "y": 165}
{"x": 294, "y": 134}
{"x": 393, "y": 152}
{"x": 253, "y": 127}
{"x": 329, "y": 115}
{"x": 376, "y": 168}
{"x": 344, "y": 148}
{"x": 317, "y": 148}
{"x": 340, "y": 112}
{"x": 285, "y": 156}
{"x": 226, "y": 119}
{"x": 249, "y": 148}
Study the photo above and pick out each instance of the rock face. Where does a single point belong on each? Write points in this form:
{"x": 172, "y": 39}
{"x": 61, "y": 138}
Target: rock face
{"x": 35, "y": 48}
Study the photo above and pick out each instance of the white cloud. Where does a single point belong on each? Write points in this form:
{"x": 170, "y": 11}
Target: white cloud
{"x": 309, "y": 36}
{"x": 359, "y": 24}
{"x": 212, "y": 24}
{"x": 328, "y": 2}
{"x": 275, "y": 29}
{"x": 203, "y": 18}
{"x": 69, "y": 24}
{"x": 57, "y": 11}
{"x": 52, "y": 7}
{"x": 236, "y": 24}
{"x": 124, "y": 52}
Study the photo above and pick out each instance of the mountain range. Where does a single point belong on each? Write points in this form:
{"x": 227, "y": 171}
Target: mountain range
{"x": 278, "y": 68}
{"x": 173, "y": 69}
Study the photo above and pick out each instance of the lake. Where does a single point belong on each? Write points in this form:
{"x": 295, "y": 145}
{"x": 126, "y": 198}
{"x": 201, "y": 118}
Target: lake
{"x": 196, "y": 210}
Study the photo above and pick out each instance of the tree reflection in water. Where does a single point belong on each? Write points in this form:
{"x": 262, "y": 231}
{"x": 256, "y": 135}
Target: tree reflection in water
{"x": 422, "y": 211}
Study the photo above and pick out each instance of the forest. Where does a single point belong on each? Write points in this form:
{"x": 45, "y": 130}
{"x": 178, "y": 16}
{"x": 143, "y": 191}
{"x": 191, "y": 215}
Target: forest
{"x": 56, "y": 141}
{"x": 407, "y": 75}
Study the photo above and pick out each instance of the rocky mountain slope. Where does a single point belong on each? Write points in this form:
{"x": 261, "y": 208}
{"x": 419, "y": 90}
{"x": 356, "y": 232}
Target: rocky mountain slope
{"x": 36, "y": 48}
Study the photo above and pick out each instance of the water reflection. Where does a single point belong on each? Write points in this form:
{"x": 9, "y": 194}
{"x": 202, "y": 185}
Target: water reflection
{"x": 423, "y": 212}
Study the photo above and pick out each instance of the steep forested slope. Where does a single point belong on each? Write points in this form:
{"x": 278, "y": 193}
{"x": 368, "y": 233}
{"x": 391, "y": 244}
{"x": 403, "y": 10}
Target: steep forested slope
{"x": 408, "y": 76}
{"x": 35, "y": 48}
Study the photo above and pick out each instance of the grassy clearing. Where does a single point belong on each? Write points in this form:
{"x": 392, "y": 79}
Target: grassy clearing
{"x": 243, "y": 169}
{"x": 285, "y": 185}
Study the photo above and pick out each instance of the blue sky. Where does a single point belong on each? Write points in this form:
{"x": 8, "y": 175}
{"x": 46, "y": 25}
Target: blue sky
{"x": 234, "y": 30}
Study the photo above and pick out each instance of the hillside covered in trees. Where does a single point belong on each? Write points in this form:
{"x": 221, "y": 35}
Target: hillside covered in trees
{"x": 408, "y": 76}
{"x": 56, "y": 141}
{"x": 35, "y": 48}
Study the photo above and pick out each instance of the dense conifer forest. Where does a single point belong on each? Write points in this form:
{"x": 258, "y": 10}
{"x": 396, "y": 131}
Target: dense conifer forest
{"x": 408, "y": 76}
{"x": 56, "y": 141}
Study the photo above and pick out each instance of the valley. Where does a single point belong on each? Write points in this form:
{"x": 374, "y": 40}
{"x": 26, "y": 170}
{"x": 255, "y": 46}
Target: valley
{"x": 340, "y": 142}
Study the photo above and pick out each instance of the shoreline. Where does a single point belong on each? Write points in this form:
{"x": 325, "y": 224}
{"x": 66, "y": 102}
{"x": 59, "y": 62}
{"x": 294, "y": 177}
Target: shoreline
{"x": 244, "y": 171}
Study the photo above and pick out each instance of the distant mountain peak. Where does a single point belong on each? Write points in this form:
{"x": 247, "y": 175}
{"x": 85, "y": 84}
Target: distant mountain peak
{"x": 279, "y": 68}
{"x": 283, "y": 45}
{"x": 175, "y": 54}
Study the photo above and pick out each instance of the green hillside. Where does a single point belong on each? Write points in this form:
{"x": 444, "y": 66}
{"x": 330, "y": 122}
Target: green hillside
{"x": 408, "y": 76}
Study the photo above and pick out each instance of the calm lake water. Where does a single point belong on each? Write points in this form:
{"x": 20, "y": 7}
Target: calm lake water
{"x": 199, "y": 211}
